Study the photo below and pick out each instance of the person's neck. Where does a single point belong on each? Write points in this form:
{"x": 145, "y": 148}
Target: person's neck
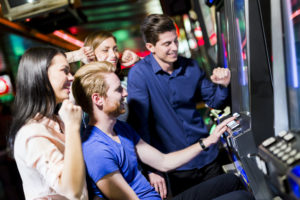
{"x": 104, "y": 122}
{"x": 167, "y": 67}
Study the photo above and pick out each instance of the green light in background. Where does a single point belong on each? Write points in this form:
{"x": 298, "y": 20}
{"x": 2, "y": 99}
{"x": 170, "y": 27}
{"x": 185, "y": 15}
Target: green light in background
{"x": 109, "y": 16}
{"x": 101, "y": 3}
{"x": 130, "y": 44}
{"x": 108, "y": 10}
{"x": 212, "y": 129}
{"x": 121, "y": 35}
{"x": 17, "y": 45}
{"x": 6, "y": 98}
{"x": 108, "y": 26}
{"x": 207, "y": 120}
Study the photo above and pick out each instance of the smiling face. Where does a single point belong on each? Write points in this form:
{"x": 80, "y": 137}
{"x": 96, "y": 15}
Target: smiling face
{"x": 165, "y": 51}
{"x": 60, "y": 77}
{"x": 108, "y": 51}
{"x": 114, "y": 103}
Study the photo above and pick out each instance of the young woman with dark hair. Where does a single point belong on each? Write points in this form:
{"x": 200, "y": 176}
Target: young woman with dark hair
{"x": 47, "y": 146}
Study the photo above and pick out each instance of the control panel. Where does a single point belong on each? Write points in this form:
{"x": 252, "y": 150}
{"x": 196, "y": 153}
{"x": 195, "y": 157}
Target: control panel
{"x": 240, "y": 144}
{"x": 279, "y": 159}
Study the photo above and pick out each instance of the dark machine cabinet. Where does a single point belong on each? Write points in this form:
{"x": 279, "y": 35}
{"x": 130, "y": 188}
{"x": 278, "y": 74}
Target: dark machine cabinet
{"x": 241, "y": 146}
{"x": 251, "y": 87}
{"x": 279, "y": 159}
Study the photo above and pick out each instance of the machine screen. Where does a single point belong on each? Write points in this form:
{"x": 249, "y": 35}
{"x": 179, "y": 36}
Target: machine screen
{"x": 293, "y": 65}
{"x": 241, "y": 37}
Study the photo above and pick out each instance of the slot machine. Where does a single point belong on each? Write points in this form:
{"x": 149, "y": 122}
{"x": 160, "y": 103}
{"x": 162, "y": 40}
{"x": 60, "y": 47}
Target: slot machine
{"x": 279, "y": 155}
{"x": 243, "y": 48}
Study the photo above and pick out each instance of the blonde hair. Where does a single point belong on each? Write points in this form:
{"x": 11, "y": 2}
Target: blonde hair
{"x": 96, "y": 38}
{"x": 90, "y": 79}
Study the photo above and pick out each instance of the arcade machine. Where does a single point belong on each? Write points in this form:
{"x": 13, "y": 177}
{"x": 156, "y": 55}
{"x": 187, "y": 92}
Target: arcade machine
{"x": 279, "y": 155}
{"x": 243, "y": 48}
{"x": 207, "y": 23}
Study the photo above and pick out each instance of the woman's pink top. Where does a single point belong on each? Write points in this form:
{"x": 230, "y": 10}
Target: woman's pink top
{"x": 39, "y": 153}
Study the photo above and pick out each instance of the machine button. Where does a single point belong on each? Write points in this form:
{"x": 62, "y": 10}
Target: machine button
{"x": 283, "y": 147}
{"x": 232, "y": 125}
{"x": 279, "y": 144}
{"x": 280, "y": 154}
{"x": 290, "y": 161}
{"x": 288, "y": 137}
{"x": 282, "y": 134}
{"x": 293, "y": 152}
{"x": 276, "y": 151}
{"x": 285, "y": 157}
{"x": 269, "y": 141}
{"x": 272, "y": 148}
{"x": 297, "y": 156}
{"x": 236, "y": 115}
{"x": 287, "y": 150}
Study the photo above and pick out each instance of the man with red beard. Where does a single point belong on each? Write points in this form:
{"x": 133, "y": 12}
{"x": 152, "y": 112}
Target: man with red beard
{"x": 111, "y": 148}
{"x": 163, "y": 89}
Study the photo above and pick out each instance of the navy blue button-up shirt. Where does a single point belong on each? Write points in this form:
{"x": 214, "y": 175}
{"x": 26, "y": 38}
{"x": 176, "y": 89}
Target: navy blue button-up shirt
{"x": 163, "y": 106}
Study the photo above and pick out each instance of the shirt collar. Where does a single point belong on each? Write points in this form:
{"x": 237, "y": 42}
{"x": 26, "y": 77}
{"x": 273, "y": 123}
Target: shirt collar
{"x": 156, "y": 67}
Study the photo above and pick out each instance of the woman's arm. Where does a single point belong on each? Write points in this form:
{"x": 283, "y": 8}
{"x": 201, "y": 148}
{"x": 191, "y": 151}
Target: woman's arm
{"x": 84, "y": 54}
{"x": 73, "y": 175}
{"x": 114, "y": 187}
{"x": 166, "y": 162}
{"x": 129, "y": 58}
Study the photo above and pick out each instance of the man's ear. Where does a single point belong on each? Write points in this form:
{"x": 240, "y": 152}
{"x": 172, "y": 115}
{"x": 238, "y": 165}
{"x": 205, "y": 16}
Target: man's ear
{"x": 97, "y": 99}
{"x": 150, "y": 47}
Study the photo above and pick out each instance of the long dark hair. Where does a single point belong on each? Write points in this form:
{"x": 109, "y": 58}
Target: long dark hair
{"x": 34, "y": 93}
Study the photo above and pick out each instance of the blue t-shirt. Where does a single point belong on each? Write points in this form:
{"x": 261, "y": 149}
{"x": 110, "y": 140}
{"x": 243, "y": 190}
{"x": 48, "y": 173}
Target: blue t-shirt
{"x": 103, "y": 156}
{"x": 163, "y": 106}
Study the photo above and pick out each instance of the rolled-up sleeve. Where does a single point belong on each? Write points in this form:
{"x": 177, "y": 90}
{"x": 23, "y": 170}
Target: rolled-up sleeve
{"x": 213, "y": 95}
{"x": 46, "y": 158}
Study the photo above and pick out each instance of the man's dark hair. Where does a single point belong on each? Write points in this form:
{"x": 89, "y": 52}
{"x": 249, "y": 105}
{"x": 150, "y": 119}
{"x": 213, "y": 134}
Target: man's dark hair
{"x": 155, "y": 24}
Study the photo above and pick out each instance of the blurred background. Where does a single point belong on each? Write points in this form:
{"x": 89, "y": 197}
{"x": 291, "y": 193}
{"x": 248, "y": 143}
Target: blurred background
{"x": 65, "y": 24}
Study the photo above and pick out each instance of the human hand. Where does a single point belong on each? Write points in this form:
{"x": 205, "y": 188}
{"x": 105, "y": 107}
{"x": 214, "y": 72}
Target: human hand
{"x": 87, "y": 55}
{"x": 70, "y": 114}
{"x": 159, "y": 183}
{"x": 129, "y": 58}
{"x": 84, "y": 54}
{"x": 221, "y": 76}
{"x": 217, "y": 132}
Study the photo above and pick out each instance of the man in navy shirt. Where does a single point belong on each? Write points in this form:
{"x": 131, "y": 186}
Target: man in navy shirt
{"x": 163, "y": 90}
{"x": 111, "y": 148}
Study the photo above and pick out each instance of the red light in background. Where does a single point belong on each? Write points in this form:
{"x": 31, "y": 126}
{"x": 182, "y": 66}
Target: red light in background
{"x": 199, "y": 36}
{"x": 295, "y": 14}
{"x": 201, "y": 42}
{"x": 68, "y": 38}
{"x": 4, "y": 88}
{"x": 244, "y": 55}
{"x": 177, "y": 30}
{"x": 143, "y": 53}
{"x": 27, "y": 20}
{"x": 213, "y": 39}
{"x": 73, "y": 30}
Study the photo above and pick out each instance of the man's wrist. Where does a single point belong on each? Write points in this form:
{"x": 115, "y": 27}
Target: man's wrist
{"x": 203, "y": 144}
{"x": 224, "y": 85}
